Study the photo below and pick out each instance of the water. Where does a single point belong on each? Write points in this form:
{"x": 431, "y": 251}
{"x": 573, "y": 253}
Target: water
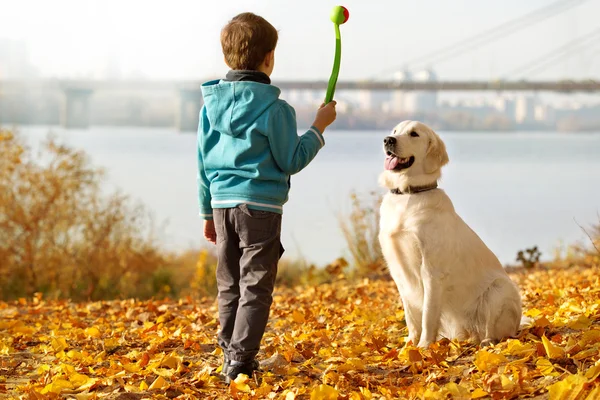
{"x": 515, "y": 190}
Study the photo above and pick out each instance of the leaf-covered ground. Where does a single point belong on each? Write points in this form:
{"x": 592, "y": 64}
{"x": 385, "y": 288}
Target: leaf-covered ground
{"x": 338, "y": 341}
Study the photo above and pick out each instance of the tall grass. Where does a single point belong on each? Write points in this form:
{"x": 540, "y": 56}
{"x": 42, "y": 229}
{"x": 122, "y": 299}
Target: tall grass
{"x": 60, "y": 235}
{"x": 361, "y": 229}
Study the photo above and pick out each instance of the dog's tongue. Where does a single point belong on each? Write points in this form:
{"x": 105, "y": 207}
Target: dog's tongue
{"x": 391, "y": 162}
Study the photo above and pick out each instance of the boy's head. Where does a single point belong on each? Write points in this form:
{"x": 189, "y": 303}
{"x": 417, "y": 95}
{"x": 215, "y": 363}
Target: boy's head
{"x": 248, "y": 43}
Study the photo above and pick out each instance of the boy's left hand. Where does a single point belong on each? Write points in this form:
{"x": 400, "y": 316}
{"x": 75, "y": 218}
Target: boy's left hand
{"x": 209, "y": 231}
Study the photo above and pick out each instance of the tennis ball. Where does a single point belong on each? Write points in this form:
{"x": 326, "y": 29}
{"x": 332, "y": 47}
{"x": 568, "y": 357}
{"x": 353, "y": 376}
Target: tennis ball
{"x": 339, "y": 15}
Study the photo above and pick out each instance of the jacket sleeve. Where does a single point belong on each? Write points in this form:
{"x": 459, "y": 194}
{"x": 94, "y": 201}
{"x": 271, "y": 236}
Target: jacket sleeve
{"x": 292, "y": 152}
{"x": 204, "y": 197}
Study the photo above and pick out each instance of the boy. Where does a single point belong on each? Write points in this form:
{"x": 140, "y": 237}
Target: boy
{"x": 248, "y": 147}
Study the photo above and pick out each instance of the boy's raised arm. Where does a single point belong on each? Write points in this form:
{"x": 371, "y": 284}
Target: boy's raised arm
{"x": 292, "y": 152}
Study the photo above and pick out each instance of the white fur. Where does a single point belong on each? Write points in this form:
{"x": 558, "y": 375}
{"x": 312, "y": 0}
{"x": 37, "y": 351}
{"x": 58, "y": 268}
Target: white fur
{"x": 450, "y": 283}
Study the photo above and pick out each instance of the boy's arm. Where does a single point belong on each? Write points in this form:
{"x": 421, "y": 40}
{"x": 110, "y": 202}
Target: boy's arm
{"x": 292, "y": 152}
{"x": 204, "y": 197}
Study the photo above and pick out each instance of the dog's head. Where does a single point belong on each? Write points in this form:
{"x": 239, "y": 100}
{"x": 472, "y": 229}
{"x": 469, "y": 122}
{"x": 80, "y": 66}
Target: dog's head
{"x": 414, "y": 156}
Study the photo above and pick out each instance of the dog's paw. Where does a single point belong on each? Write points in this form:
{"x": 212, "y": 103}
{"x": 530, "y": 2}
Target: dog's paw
{"x": 412, "y": 340}
{"x": 488, "y": 342}
{"x": 424, "y": 344}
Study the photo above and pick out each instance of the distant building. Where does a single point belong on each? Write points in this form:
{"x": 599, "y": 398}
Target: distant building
{"x": 423, "y": 101}
{"x": 399, "y": 99}
{"x": 506, "y": 106}
{"x": 545, "y": 113}
{"x": 373, "y": 100}
{"x": 525, "y": 109}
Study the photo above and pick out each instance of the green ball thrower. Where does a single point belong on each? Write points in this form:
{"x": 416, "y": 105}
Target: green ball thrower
{"x": 339, "y": 15}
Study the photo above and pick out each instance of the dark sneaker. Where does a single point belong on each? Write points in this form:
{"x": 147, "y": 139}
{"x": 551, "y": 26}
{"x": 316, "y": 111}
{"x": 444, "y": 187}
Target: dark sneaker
{"x": 247, "y": 368}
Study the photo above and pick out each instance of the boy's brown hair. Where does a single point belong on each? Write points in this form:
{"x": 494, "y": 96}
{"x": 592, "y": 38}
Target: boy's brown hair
{"x": 246, "y": 40}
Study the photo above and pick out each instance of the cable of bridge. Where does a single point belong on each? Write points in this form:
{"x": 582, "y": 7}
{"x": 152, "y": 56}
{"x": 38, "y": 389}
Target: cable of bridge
{"x": 549, "y": 58}
{"x": 490, "y": 35}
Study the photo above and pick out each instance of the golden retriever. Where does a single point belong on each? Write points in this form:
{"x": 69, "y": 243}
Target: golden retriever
{"x": 450, "y": 282}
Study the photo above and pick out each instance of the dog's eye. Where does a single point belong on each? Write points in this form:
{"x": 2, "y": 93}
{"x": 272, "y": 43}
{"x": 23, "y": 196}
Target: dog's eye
{"x": 414, "y": 134}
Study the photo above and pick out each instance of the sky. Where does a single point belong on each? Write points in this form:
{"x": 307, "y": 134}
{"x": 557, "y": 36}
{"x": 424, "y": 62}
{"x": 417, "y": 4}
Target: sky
{"x": 179, "y": 39}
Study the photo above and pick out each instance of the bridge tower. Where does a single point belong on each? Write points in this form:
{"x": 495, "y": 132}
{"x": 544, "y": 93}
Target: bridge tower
{"x": 76, "y": 107}
{"x": 190, "y": 103}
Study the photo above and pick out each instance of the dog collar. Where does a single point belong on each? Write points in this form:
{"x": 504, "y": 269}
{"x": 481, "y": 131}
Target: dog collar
{"x": 415, "y": 189}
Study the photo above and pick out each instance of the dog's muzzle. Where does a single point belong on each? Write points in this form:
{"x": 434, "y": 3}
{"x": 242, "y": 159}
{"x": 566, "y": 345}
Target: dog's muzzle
{"x": 389, "y": 143}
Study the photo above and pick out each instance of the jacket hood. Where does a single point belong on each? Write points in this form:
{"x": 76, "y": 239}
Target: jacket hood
{"x": 232, "y": 107}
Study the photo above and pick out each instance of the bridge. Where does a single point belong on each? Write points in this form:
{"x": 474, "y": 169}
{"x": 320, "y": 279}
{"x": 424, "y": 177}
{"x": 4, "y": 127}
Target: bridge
{"x": 76, "y": 94}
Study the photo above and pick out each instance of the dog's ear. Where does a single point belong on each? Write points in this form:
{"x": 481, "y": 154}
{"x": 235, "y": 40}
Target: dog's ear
{"x": 436, "y": 156}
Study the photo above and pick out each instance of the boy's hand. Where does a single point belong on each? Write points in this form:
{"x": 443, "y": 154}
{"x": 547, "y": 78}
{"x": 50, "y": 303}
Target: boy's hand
{"x": 209, "y": 231}
{"x": 325, "y": 116}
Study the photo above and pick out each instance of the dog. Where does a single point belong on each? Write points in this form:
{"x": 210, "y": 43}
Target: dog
{"x": 451, "y": 284}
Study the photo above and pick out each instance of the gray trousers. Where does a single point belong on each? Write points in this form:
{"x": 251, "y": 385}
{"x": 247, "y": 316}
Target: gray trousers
{"x": 248, "y": 249}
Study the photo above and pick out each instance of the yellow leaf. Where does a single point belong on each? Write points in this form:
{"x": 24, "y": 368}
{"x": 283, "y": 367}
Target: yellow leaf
{"x": 43, "y": 368}
{"x": 143, "y": 386}
{"x": 78, "y": 379}
{"x": 516, "y": 348}
{"x": 24, "y": 329}
{"x": 582, "y": 322}
{"x": 239, "y": 385}
{"x": 366, "y": 393}
{"x": 159, "y": 383}
{"x": 507, "y": 384}
{"x": 586, "y": 354}
{"x": 455, "y": 391}
{"x": 485, "y": 361}
{"x": 478, "y": 393}
{"x": 93, "y": 332}
{"x": 593, "y": 372}
{"x": 534, "y": 312}
{"x": 5, "y": 349}
{"x": 57, "y": 386}
{"x": 545, "y": 367}
{"x": 171, "y": 362}
{"x": 552, "y": 350}
{"x": 568, "y": 388}
{"x": 131, "y": 367}
{"x": 324, "y": 392}
{"x": 298, "y": 317}
{"x": 58, "y": 344}
{"x": 87, "y": 384}
{"x": 353, "y": 364}
{"x": 589, "y": 337}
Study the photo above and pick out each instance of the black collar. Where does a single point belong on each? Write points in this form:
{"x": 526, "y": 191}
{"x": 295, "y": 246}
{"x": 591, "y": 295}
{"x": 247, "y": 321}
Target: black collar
{"x": 243, "y": 75}
{"x": 415, "y": 189}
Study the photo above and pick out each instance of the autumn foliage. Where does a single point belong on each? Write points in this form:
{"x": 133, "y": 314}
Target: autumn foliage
{"x": 62, "y": 235}
{"x": 341, "y": 340}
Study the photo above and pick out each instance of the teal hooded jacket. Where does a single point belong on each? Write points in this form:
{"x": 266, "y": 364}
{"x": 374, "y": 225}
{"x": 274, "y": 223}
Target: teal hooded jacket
{"x": 248, "y": 146}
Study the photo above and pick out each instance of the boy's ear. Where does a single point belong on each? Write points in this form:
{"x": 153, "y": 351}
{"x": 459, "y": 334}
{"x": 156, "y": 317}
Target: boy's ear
{"x": 269, "y": 58}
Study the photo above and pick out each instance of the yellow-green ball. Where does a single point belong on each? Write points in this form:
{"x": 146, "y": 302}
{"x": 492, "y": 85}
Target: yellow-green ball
{"x": 339, "y": 15}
